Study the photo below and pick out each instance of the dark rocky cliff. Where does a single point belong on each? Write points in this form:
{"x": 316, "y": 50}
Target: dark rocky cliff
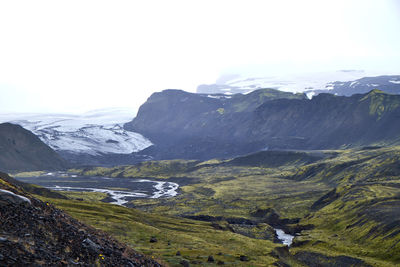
{"x": 186, "y": 125}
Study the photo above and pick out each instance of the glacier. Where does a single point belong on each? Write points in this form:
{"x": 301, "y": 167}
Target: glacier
{"x": 296, "y": 83}
{"x": 94, "y": 133}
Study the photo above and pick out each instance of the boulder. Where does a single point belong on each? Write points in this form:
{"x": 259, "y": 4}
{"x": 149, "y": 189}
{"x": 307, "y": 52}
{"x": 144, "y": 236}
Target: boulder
{"x": 90, "y": 245}
{"x": 7, "y": 197}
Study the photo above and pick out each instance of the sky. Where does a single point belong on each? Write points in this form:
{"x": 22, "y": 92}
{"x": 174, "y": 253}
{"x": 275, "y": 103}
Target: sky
{"x": 75, "y": 56}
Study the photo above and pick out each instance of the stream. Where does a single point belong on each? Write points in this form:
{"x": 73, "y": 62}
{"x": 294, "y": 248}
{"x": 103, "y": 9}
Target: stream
{"x": 286, "y": 239}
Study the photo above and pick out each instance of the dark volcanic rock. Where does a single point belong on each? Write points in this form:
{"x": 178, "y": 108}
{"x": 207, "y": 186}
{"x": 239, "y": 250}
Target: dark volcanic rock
{"x": 89, "y": 244}
{"x": 193, "y": 126}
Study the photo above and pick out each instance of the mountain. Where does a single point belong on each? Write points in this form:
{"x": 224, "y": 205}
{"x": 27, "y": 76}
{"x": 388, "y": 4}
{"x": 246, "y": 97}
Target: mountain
{"x": 34, "y": 233}
{"x": 232, "y": 84}
{"x": 95, "y": 137}
{"x": 22, "y": 150}
{"x": 387, "y": 83}
{"x": 344, "y": 82}
{"x": 197, "y": 126}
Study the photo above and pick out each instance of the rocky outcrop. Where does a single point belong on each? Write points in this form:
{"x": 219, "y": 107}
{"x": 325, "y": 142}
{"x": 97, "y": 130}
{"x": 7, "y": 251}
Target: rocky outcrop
{"x": 8, "y": 197}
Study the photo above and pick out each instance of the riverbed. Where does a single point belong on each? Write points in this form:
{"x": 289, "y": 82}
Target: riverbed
{"x": 119, "y": 190}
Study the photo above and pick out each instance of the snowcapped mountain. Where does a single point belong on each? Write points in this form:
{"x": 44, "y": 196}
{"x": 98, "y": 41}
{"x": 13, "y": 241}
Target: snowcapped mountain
{"x": 387, "y": 83}
{"x": 93, "y": 133}
{"x": 307, "y": 82}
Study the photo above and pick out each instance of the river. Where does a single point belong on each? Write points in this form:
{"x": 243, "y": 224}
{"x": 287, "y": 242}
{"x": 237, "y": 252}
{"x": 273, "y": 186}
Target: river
{"x": 119, "y": 190}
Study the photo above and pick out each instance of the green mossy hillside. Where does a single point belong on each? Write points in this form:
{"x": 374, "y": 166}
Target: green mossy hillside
{"x": 195, "y": 240}
{"x": 343, "y": 205}
{"x": 159, "y": 169}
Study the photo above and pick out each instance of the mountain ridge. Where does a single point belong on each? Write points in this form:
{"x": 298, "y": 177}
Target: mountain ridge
{"x": 342, "y": 82}
{"x": 386, "y": 83}
{"x": 193, "y": 126}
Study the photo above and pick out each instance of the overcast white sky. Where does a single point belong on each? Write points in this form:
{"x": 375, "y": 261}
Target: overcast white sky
{"x": 73, "y": 56}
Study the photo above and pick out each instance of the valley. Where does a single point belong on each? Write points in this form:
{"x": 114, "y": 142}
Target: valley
{"x": 200, "y": 133}
{"x": 341, "y": 206}
{"x": 268, "y": 178}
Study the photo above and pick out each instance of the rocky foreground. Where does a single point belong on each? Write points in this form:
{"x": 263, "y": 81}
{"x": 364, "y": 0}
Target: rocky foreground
{"x": 34, "y": 233}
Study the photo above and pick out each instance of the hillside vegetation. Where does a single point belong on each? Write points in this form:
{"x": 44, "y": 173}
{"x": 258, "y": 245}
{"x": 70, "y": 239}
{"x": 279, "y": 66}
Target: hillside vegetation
{"x": 343, "y": 205}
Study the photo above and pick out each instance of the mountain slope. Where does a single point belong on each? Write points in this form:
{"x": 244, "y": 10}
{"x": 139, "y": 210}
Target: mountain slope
{"x": 22, "y": 150}
{"x": 183, "y": 124}
{"x": 329, "y": 121}
{"x": 35, "y": 233}
{"x": 193, "y": 126}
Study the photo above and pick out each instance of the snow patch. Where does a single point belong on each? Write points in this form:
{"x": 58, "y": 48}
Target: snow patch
{"x": 352, "y": 84}
{"x": 310, "y": 95}
{"x": 219, "y": 96}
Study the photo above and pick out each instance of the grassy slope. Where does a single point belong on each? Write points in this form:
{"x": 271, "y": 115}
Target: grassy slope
{"x": 363, "y": 216}
{"x": 352, "y": 198}
{"x": 195, "y": 240}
